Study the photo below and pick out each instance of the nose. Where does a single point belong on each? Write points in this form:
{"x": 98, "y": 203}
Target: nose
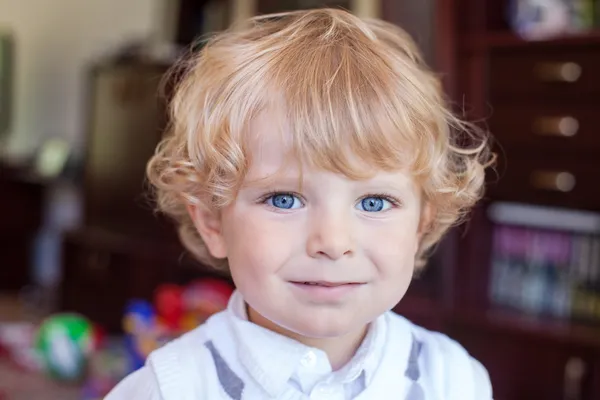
{"x": 330, "y": 236}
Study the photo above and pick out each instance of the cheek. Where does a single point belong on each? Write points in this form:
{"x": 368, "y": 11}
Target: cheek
{"x": 257, "y": 244}
{"x": 393, "y": 238}
{"x": 395, "y": 261}
{"x": 392, "y": 248}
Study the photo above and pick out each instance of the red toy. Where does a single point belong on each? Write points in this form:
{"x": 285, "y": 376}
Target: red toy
{"x": 203, "y": 298}
{"x": 169, "y": 306}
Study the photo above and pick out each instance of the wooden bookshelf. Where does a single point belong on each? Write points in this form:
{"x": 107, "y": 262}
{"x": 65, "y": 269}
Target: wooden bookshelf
{"x": 545, "y": 328}
{"x": 497, "y": 79}
{"x": 507, "y": 39}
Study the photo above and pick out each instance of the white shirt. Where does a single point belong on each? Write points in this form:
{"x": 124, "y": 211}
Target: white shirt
{"x": 229, "y": 357}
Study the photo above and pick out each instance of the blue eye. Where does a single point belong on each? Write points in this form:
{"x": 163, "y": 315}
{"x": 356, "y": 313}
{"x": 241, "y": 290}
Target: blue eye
{"x": 374, "y": 204}
{"x": 284, "y": 201}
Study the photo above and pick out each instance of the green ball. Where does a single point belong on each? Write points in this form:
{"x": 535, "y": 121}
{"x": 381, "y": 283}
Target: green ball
{"x": 64, "y": 342}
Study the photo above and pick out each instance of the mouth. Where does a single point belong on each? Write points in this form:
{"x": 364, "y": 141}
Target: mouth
{"x": 325, "y": 291}
{"x": 326, "y": 284}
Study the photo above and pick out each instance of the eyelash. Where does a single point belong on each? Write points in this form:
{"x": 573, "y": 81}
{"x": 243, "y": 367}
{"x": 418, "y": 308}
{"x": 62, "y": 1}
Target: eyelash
{"x": 263, "y": 199}
{"x": 393, "y": 201}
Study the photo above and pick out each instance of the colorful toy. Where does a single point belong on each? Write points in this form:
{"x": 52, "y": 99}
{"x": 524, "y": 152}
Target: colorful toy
{"x": 169, "y": 306}
{"x": 141, "y": 338}
{"x": 176, "y": 310}
{"x": 204, "y": 298}
{"x": 64, "y": 343}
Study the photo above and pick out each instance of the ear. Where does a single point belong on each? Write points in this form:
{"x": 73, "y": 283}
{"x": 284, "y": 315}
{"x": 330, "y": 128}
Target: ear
{"x": 427, "y": 216}
{"x": 209, "y": 226}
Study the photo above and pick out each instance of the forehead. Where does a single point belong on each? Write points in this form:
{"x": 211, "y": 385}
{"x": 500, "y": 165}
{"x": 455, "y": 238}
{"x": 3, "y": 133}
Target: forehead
{"x": 273, "y": 153}
{"x": 270, "y": 153}
{"x": 269, "y": 142}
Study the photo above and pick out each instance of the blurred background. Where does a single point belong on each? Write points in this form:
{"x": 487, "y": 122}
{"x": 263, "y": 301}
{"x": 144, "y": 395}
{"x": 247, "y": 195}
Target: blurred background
{"x": 91, "y": 279}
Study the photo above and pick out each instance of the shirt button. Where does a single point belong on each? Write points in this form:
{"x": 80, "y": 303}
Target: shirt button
{"x": 309, "y": 360}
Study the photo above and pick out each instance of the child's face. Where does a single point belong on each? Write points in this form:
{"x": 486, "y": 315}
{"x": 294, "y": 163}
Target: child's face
{"x": 323, "y": 261}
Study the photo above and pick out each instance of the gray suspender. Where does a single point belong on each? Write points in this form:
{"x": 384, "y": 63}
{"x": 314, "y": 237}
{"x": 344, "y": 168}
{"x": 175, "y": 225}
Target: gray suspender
{"x": 234, "y": 386}
{"x": 231, "y": 383}
{"x": 415, "y": 391}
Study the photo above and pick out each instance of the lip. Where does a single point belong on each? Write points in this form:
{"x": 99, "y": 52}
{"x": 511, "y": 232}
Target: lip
{"x": 326, "y": 283}
{"x": 325, "y": 291}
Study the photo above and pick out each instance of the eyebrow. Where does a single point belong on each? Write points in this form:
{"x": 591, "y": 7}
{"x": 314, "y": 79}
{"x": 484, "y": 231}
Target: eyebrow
{"x": 401, "y": 184}
{"x": 275, "y": 179}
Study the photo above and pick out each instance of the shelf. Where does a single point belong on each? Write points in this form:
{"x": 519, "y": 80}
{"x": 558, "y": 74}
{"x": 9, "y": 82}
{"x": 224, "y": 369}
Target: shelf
{"x": 503, "y": 39}
{"x": 562, "y": 331}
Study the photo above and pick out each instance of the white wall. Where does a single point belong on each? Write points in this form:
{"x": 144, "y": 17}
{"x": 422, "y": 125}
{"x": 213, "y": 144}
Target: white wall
{"x": 55, "y": 41}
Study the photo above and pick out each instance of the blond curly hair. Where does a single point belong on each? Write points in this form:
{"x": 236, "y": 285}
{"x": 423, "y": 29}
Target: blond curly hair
{"x": 347, "y": 87}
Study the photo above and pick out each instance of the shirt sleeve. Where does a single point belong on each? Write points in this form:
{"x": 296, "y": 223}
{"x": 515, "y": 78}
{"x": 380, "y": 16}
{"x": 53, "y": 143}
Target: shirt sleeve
{"x": 141, "y": 385}
{"x": 483, "y": 386}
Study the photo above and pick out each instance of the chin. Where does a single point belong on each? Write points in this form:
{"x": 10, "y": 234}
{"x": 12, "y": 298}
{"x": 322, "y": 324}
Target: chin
{"x": 323, "y": 333}
{"x": 324, "y": 326}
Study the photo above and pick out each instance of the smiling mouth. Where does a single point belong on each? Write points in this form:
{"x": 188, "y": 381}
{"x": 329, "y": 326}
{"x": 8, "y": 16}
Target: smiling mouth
{"x": 325, "y": 292}
{"x": 328, "y": 284}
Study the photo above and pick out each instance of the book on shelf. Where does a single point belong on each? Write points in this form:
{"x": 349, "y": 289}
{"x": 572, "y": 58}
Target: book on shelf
{"x": 546, "y": 261}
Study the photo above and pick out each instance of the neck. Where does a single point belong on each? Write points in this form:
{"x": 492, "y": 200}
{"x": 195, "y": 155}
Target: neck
{"x": 339, "y": 349}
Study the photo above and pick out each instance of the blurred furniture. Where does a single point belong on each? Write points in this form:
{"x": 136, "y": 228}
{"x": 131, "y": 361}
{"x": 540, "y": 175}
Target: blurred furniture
{"x": 198, "y": 17}
{"x": 21, "y": 199}
{"x": 124, "y": 249}
{"x": 274, "y": 6}
{"x": 103, "y": 270}
{"x": 125, "y": 121}
{"x": 541, "y": 101}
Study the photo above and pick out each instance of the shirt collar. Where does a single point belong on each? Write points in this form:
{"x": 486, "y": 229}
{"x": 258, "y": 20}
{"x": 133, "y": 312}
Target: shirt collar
{"x": 273, "y": 359}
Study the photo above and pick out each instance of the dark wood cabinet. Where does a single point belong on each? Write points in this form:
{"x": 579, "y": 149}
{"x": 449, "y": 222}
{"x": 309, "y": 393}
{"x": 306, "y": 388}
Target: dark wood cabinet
{"x": 544, "y": 73}
{"x": 123, "y": 249}
{"x": 556, "y": 129}
{"x": 273, "y": 6}
{"x": 99, "y": 277}
{"x": 103, "y": 270}
{"x": 539, "y": 100}
{"x": 125, "y": 122}
{"x": 21, "y": 201}
{"x": 526, "y": 362}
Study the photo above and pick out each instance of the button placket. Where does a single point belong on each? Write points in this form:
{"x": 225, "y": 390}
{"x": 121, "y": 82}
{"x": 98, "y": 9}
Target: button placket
{"x": 309, "y": 360}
